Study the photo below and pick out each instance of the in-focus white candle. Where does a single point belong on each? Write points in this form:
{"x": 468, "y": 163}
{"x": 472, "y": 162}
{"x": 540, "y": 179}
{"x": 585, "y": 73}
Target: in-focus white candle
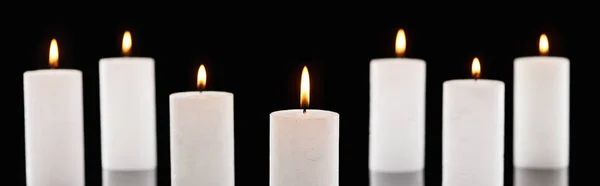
{"x": 541, "y": 111}
{"x": 202, "y": 142}
{"x": 54, "y": 153}
{"x": 397, "y": 116}
{"x": 473, "y": 132}
{"x": 304, "y": 145}
{"x": 128, "y": 113}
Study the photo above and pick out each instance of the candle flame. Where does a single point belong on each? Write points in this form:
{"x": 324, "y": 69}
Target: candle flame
{"x": 544, "y": 44}
{"x": 126, "y": 45}
{"x": 400, "y": 43}
{"x": 53, "y": 57}
{"x": 201, "y": 81}
{"x": 476, "y": 68}
{"x": 305, "y": 89}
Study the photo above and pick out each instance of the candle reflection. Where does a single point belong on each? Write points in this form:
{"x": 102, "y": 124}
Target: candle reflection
{"x": 397, "y": 179}
{"x": 529, "y": 177}
{"x": 129, "y": 178}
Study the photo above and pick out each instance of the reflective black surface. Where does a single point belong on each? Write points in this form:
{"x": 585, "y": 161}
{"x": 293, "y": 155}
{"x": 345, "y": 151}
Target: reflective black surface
{"x": 129, "y": 178}
{"x": 522, "y": 177}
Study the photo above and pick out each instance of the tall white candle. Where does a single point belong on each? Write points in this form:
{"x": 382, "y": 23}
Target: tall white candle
{"x": 128, "y": 114}
{"x": 304, "y": 145}
{"x": 53, "y": 99}
{"x": 397, "y": 116}
{"x": 541, "y": 111}
{"x": 473, "y": 132}
{"x": 202, "y": 137}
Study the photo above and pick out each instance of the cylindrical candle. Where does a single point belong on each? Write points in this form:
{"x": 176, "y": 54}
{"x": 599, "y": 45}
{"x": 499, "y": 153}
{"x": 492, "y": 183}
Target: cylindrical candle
{"x": 397, "y": 115}
{"x": 128, "y": 114}
{"x": 304, "y": 148}
{"x": 473, "y": 132}
{"x": 202, "y": 138}
{"x": 541, "y": 112}
{"x": 54, "y": 127}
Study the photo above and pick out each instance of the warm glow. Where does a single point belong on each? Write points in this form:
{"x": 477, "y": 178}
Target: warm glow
{"x": 53, "y": 57}
{"x": 400, "y": 43}
{"x": 476, "y": 68}
{"x": 126, "y": 47}
{"x": 201, "y": 81}
{"x": 305, "y": 89}
{"x": 544, "y": 45}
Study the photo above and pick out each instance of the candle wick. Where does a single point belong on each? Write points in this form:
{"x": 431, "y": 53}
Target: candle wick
{"x": 304, "y": 111}
{"x": 201, "y": 88}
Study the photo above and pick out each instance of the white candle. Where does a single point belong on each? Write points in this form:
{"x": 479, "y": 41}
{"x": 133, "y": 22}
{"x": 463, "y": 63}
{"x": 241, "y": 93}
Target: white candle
{"x": 304, "y": 146}
{"x": 202, "y": 138}
{"x": 397, "y": 116}
{"x": 541, "y": 111}
{"x": 128, "y": 114}
{"x": 53, "y": 99}
{"x": 473, "y": 132}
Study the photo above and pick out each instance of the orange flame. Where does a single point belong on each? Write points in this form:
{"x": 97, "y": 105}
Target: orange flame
{"x": 400, "y": 43}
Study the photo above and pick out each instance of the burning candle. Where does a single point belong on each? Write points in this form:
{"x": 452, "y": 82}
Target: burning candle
{"x": 304, "y": 144}
{"x": 202, "y": 136}
{"x": 541, "y": 110}
{"x": 128, "y": 113}
{"x": 397, "y": 116}
{"x": 473, "y": 131}
{"x": 54, "y": 125}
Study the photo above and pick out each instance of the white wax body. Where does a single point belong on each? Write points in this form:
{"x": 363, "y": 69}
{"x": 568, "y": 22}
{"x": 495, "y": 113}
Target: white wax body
{"x": 128, "y": 113}
{"x": 202, "y": 143}
{"x": 473, "y": 133}
{"x": 541, "y": 112}
{"x": 54, "y": 152}
{"x": 304, "y": 148}
{"x": 397, "y": 115}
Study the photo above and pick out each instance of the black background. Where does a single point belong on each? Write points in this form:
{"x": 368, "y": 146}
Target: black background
{"x": 260, "y": 61}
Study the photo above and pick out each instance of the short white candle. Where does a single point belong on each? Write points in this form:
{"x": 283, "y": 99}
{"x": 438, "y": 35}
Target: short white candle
{"x": 473, "y": 132}
{"x": 397, "y": 116}
{"x": 304, "y": 146}
{"x": 128, "y": 113}
{"x": 202, "y": 137}
{"x": 53, "y": 99}
{"x": 541, "y": 111}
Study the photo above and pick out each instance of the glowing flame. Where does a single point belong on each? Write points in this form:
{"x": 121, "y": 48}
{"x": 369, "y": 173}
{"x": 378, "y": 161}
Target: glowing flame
{"x": 400, "y": 43}
{"x": 126, "y": 46}
{"x": 544, "y": 45}
{"x": 53, "y": 57}
{"x": 476, "y": 68}
{"x": 201, "y": 81}
{"x": 305, "y": 89}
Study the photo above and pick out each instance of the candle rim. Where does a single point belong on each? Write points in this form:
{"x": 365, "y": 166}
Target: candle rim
{"x": 198, "y": 94}
{"x": 545, "y": 58}
{"x": 310, "y": 114}
{"x": 52, "y": 71}
{"x": 397, "y": 60}
{"x": 132, "y": 58}
{"x": 471, "y": 81}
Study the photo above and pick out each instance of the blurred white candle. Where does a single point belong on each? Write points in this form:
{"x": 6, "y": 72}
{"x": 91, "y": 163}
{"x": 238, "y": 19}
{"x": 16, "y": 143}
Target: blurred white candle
{"x": 397, "y": 116}
{"x": 202, "y": 137}
{"x": 304, "y": 146}
{"x": 128, "y": 114}
{"x": 473, "y": 131}
{"x": 541, "y": 111}
{"x": 53, "y": 99}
